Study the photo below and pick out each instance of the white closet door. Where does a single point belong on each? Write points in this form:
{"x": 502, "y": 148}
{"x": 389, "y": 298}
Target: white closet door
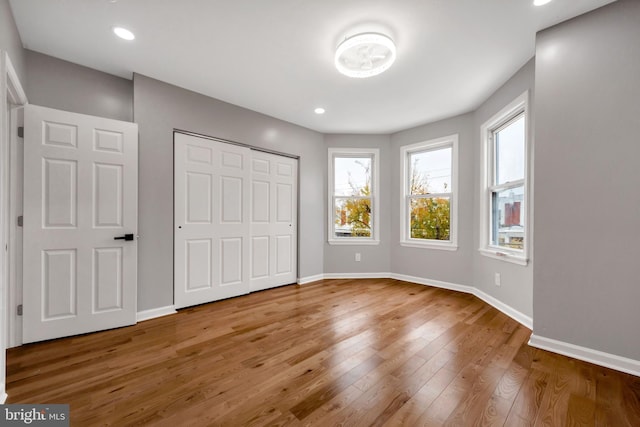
{"x": 211, "y": 220}
{"x": 80, "y": 193}
{"x": 274, "y": 219}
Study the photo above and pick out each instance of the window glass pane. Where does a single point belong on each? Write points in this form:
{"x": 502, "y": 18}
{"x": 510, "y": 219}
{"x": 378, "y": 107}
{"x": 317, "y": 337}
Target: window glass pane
{"x": 509, "y": 152}
{"x": 507, "y": 228}
{"x": 430, "y": 171}
{"x": 352, "y": 218}
{"x": 352, "y": 176}
{"x": 430, "y": 218}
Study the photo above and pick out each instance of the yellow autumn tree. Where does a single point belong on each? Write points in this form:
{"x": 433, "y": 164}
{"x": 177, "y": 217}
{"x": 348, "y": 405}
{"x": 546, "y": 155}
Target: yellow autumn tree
{"x": 430, "y": 216}
{"x": 355, "y": 213}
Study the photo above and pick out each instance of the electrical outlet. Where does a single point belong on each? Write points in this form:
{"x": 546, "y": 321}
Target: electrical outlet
{"x": 358, "y": 257}
{"x": 497, "y": 279}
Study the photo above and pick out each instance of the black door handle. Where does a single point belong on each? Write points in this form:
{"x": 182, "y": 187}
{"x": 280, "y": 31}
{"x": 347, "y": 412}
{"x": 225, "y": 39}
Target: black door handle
{"x": 125, "y": 237}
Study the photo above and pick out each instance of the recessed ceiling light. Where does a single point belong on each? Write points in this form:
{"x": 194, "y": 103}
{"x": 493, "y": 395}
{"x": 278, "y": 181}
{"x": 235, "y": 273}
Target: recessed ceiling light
{"x": 365, "y": 55}
{"x": 540, "y": 2}
{"x": 123, "y": 33}
{"x": 319, "y": 110}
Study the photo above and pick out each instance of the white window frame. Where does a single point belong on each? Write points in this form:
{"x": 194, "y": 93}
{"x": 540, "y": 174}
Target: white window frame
{"x": 374, "y": 153}
{"x": 518, "y": 106}
{"x": 405, "y": 220}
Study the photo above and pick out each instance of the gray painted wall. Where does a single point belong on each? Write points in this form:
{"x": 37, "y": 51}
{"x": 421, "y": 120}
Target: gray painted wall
{"x": 10, "y": 41}
{"x": 159, "y": 108}
{"x": 587, "y": 201}
{"x": 516, "y": 288}
{"x": 466, "y": 266}
{"x": 87, "y": 92}
{"x": 447, "y": 266}
{"x": 587, "y": 125}
{"x": 374, "y": 258}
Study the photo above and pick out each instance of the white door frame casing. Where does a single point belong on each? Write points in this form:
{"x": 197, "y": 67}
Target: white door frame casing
{"x": 12, "y": 95}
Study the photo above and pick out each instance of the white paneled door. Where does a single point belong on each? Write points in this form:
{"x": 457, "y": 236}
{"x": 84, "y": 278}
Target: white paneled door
{"x": 235, "y": 220}
{"x": 211, "y": 187}
{"x": 274, "y": 212}
{"x": 80, "y": 223}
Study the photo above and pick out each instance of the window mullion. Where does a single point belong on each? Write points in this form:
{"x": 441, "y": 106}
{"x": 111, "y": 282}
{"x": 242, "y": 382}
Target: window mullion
{"x": 431, "y": 195}
{"x": 506, "y": 185}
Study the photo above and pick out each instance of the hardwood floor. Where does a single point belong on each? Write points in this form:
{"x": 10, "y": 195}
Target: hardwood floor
{"x": 336, "y": 352}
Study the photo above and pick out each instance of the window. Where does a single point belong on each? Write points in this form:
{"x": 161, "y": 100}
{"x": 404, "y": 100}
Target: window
{"x": 429, "y": 189}
{"x": 353, "y": 196}
{"x": 504, "y": 195}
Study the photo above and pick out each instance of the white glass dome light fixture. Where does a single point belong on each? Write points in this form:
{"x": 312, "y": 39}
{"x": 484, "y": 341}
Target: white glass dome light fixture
{"x": 365, "y": 55}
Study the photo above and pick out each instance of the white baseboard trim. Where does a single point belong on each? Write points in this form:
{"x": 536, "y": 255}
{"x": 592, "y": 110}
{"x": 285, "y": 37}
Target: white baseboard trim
{"x": 622, "y": 364}
{"x": 519, "y": 317}
{"x": 3, "y": 398}
{"x": 434, "y": 283}
{"x": 357, "y": 275}
{"x": 143, "y": 315}
{"x": 310, "y": 279}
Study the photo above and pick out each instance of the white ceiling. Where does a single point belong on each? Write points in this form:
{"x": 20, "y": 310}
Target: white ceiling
{"x": 276, "y": 56}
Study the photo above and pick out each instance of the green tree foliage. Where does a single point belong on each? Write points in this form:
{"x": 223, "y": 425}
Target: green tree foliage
{"x": 356, "y": 213}
{"x": 430, "y": 216}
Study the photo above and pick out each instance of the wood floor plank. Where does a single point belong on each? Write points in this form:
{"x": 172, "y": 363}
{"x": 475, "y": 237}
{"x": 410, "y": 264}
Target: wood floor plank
{"x": 377, "y": 352}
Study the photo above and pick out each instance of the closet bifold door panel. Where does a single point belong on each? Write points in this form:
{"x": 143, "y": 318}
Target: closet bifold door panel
{"x": 211, "y": 220}
{"x": 274, "y": 221}
{"x": 235, "y": 220}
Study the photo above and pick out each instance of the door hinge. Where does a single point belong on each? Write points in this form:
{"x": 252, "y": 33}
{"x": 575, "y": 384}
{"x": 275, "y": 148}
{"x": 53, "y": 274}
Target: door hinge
{"x": 20, "y": 221}
{"x": 19, "y": 310}
{"x": 20, "y": 132}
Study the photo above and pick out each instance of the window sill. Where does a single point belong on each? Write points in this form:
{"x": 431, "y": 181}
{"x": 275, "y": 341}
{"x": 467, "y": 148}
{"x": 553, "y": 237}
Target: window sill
{"x": 438, "y": 246}
{"x": 504, "y": 256}
{"x": 354, "y": 242}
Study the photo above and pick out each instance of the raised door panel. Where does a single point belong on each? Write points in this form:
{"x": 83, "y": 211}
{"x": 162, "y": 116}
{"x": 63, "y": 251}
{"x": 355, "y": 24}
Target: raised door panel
{"x": 60, "y": 134}
{"x": 108, "y": 202}
{"x": 284, "y": 201}
{"x": 231, "y": 255}
{"x": 260, "y": 194}
{"x": 198, "y": 198}
{"x": 283, "y": 254}
{"x": 108, "y": 141}
{"x": 59, "y": 284}
{"x": 198, "y": 262}
{"x": 231, "y": 200}
{"x": 260, "y": 249}
{"x": 107, "y": 279}
{"x": 60, "y": 193}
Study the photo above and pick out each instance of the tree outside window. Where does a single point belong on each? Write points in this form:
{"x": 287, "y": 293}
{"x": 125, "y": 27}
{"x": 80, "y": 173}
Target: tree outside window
{"x": 429, "y": 193}
{"x": 352, "y": 195}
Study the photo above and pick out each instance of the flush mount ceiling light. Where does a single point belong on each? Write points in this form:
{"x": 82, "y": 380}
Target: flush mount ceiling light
{"x": 540, "y": 2}
{"x": 123, "y": 33}
{"x": 365, "y": 55}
